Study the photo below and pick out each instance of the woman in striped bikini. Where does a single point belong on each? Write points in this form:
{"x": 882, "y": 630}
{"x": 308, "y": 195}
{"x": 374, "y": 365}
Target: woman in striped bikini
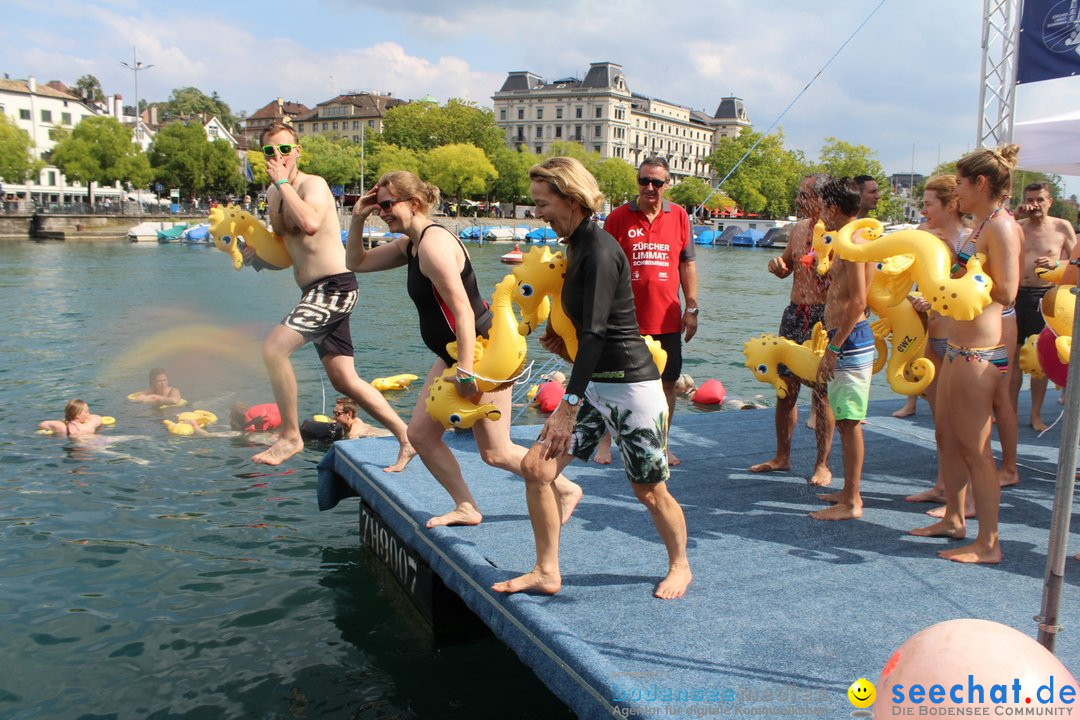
{"x": 976, "y": 358}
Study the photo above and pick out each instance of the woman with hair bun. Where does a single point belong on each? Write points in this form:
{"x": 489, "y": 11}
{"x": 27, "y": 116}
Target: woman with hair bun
{"x": 443, "y": 286}
{"x": 614, "y": 384}
{"x": 976, "y": 357}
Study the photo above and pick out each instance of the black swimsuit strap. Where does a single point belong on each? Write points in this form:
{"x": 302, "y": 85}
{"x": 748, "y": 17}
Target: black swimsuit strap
{"x": 424, "y": 231}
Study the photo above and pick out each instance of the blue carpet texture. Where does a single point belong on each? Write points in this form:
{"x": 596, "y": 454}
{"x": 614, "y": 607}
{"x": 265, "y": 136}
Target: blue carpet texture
{"x": 784, "y": 612}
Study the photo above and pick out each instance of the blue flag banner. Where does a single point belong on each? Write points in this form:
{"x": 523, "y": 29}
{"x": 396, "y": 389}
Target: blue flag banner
{"x": 248, "y": 174}
{"x": 1049, "y": 40}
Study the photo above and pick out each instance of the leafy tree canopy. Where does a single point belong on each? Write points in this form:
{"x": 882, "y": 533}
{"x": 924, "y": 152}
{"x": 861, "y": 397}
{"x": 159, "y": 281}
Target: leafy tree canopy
{"x": 423, "y": 126}
{"x": 17, "y": 162}
{"x": 100, "y": 149}
{"x": 187, "y": 101}
{"x": 459, "y": 169}
{"x": 767, "y": 180}
{"x": 89, "y": 87}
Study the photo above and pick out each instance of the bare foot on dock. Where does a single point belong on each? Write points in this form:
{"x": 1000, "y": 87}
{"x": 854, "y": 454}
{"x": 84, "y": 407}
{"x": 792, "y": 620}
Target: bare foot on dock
{"x": 279, "y": 452}
{"x": 602, "y": 456}
{"x": 907, "y": 410}
{"x": 969, "y": 509}
{"x": 672, "y": 460}
{"x": 463, "y": 514}
{"x": 811, "y": 422}
{"x": 774, "y": 465}
{"x": 674, "y": 585}
{"x": 839, "y": 511}
{"x": 1008, "y": 478}
{"x": 974, "y": 553}
{"x": 406, "y": 453}
{"x": 830, "y": 497}
{"x": 822, "y": 477}
{"x": 940, "y": 529}
{"x": 933, "y": 495}
{"x": 569, "y": 495}
{"x": 1037, "y": 424}
{"x": 531, "y": 582}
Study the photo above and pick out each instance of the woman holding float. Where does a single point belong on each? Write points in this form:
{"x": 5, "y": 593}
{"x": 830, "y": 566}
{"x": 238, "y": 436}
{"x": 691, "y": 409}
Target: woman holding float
{"x": 976, "y": 358}
{"x": 443, "y": 286}
{"x": 615, "y": 372}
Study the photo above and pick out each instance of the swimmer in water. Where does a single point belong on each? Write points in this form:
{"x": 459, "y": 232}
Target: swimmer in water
{"x": 159, "y": 392}
{"x": 78, "y": 421}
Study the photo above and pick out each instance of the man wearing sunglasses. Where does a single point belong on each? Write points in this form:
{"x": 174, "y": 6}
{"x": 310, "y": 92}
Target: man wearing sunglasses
{"x": 656, "y": 236}
{"x": 303, "y": 212}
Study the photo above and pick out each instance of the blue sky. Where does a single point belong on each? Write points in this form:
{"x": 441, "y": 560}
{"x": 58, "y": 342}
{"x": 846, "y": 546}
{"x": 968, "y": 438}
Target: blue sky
{"x": 908, "y": 81}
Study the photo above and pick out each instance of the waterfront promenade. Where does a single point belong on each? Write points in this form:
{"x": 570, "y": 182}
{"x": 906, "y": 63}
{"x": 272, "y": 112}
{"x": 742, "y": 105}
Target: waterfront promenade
{"x": 780, "y": 604}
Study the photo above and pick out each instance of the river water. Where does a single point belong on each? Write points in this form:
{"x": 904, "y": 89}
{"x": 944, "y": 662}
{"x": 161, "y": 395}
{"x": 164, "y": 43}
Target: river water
{"x": 161, "y": 577}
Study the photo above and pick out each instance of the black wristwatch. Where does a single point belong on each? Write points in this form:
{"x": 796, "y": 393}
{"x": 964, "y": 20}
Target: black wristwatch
{"x": 693, "y": 310}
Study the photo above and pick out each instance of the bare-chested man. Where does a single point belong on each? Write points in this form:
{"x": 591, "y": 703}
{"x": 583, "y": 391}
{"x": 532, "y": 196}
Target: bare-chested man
{"x": 869, "y": 194}
{"x": 848, "y": 362}
{"x": 1047, "y": 240}
{"x": 159, "y": 392}
{"x": 806, "y": 309}
{"x": 303, "y": 212}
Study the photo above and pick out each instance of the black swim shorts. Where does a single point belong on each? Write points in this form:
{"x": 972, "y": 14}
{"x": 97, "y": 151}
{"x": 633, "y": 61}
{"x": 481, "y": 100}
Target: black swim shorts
{"x": 672, "y": 344}
{"x": 322, "y": 315}
{"x": 1029, "y": 319}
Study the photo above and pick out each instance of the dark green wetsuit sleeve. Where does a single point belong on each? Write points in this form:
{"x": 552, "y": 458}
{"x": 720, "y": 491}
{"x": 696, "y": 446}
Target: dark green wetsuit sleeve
{"x": 600, "y": 279}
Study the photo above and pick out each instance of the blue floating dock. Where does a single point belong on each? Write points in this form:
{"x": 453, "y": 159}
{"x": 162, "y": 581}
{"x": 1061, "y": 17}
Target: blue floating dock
{"x": 784, "y": 611}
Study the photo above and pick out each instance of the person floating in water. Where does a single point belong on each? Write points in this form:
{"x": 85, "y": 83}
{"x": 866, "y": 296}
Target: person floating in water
{"x": 159, "y": 392}
{"x": 78, "y": 421}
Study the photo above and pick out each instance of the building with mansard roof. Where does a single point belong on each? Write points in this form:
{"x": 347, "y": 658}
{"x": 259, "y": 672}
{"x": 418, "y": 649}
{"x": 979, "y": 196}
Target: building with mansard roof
{"x": 602, "y": 114}
{"x": 349, "y": 115}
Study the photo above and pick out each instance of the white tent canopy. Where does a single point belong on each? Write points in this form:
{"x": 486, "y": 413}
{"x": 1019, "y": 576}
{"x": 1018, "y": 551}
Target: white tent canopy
{"x": 1050, "y": 145}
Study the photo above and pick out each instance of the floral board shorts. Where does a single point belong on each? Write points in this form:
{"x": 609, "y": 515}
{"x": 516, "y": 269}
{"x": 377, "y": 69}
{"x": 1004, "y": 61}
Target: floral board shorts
{"x": 636, "y": 415}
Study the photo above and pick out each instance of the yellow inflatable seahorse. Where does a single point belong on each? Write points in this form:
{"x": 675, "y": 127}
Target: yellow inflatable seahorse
{"x": 229, "y": 223}
{"x": 497, "y": 360}
{"x": 765, "y": 353}
{"x": 961, "y": 298}
{"x": 1058, "y": 306}
{"x": 908, "y": 371}
{"x": 394, "y": 382}
{"x": 538, "y": 293}
{"x": 1029, "y": 358}
{"x": 186, "y": 420}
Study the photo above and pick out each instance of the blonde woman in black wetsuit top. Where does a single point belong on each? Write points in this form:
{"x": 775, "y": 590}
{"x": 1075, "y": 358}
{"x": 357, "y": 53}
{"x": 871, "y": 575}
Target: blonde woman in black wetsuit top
{"x": 442, "y": 284}
{"x": 613, "y": 376}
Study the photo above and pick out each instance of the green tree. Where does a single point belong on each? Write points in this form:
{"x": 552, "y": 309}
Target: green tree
{"x": 223, "y": 169}
{"x": 692, "y": 191}
{"x": 335, "y": 160}
{"x": 187, "y": 101}
{"x": 100, "y": 149}
{"x": 178, "y": 156}
{"x": 459, "y": 169}
{"x": 257, "y": 161}
{"x": 387, "y": 158}
{"x": 512, "y": 185}
{"x": 767, "y": 180}
{"x": 562, "y": 148}
{"x": 89, "y": 87}
{"x": 842, "y": 159}
{"x": 426, "y": 125}
{"x": 617, "y": 180}
{"x": 17, "y": 161}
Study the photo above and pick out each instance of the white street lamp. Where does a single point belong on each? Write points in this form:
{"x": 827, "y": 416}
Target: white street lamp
{"x": 135, "y": 67}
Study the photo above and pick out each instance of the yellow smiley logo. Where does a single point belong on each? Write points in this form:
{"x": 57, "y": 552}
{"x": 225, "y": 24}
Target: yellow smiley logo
{"x": 862, "y": 693}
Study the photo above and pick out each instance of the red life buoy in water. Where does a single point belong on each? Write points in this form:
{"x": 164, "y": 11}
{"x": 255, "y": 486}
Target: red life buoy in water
{"x": 549, "y": 396}
{"x": 711, "y": 392}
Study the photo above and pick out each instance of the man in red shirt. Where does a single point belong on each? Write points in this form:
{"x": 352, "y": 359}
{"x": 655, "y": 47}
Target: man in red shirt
{"x": 656, "y": 237}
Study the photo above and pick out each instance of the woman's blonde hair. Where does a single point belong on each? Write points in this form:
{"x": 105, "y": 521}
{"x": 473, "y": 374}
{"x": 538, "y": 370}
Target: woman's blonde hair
{"x": 995, "y": 165}
{"x": 73, "y": 408}
{"x": 944, "y": 186}
{"x": 569, "y": 178}
{"x": 404, "y": 185}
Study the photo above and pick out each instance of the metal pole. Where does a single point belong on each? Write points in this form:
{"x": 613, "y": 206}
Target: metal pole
{"x": 1063, "y": 499}
{"x": 135, "y": 67}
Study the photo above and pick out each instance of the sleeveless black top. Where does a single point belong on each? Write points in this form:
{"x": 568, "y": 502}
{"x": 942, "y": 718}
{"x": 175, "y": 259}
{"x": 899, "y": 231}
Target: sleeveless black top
{"x": 436, "y": 321}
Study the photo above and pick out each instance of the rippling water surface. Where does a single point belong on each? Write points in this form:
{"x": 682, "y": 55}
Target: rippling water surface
{"x": 146, "y": 575}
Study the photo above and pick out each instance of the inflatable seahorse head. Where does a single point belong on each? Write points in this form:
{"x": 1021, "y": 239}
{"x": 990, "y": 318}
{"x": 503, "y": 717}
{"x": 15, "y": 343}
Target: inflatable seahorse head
{"x": 538, "y": 277}
{"x": 504, "y": 349}
{"x": 1029, "y": 358}
{"x": 227, "y": 224}
{"x": 820, "y": 250}
{"x": 1058, "y": 307}
{"x": 453, "y": 411}
{"x": 659, "y": 354}
{"x": 764, "y": 355}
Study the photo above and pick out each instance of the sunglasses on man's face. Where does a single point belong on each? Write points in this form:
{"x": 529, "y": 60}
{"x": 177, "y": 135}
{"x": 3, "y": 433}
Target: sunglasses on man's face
{"x": 284, "y": 149}
{"x": 643, "y": 181}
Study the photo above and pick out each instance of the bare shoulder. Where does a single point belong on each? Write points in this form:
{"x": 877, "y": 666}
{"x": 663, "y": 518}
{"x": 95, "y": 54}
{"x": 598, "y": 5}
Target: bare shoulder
{"x": 307, "y": 185}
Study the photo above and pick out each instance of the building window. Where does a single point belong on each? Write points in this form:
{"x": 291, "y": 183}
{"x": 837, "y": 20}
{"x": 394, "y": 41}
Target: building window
{"x": 600, "y": 112}
{"x": 539, "y": 132}
{"x": 558, "y": 132}
{"x": 577, "y": 133}
{"x": 355, "y": 124}
{"x": 65, "y": 118}
{"x": 521, "y": 113}
{"x": 597, "y": 130}
{"x": 46, "y": 116}
{"x": 212, "y": 130}
{"x": 325, "y": 125}
{"x": 24, "y": 114}
{"x": 333, "y": 125}
{"x": 356, "y": 138}
{"x": 502, "y": 114}
{"x": 596, "y": 148}
{"x": 579, "y": 111}
{"x": 52, "y": 177}
{"x": 539, "y": 113}
{"x": 558, "y": 113}
{"x": 521, "y": 132}
{"x": 539, "y": 149}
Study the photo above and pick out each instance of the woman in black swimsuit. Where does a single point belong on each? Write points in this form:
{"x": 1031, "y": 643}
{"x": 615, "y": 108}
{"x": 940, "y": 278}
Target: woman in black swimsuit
{"x": 443, "y": 286}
